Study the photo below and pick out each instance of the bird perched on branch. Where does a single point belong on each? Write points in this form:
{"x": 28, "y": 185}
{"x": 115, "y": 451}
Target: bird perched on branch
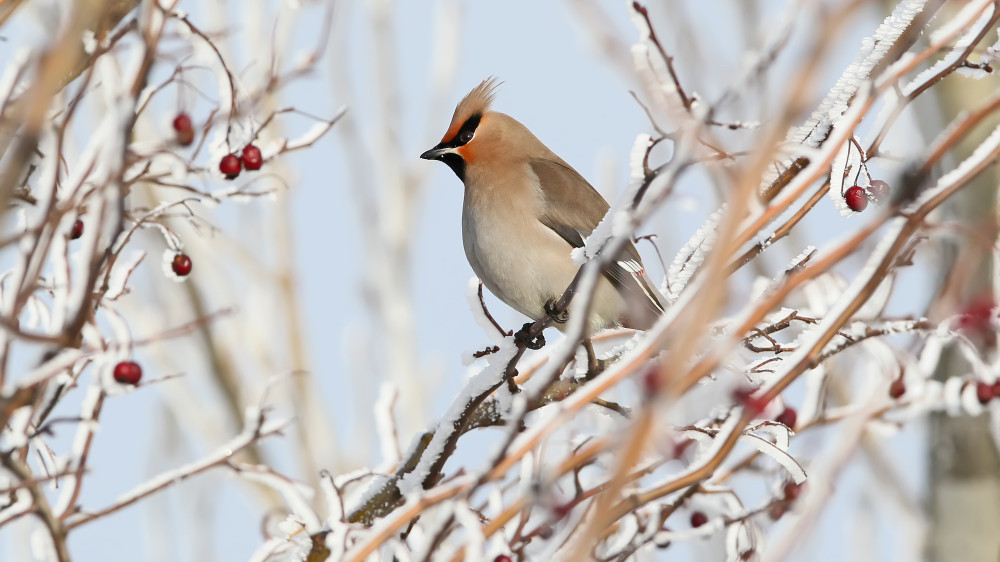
{"x": 525, "y": 210}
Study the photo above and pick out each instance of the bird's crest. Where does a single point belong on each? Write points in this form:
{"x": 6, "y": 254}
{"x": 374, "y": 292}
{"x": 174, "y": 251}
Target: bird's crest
{"x": 475, "y": 103}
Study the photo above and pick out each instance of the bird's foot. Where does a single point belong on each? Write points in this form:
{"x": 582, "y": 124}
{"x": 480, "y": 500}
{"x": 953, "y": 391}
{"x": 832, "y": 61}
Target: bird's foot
{"x": 556, "y": 316}
{"x": 596, "y": 366}
{"x": 523, "y": 337}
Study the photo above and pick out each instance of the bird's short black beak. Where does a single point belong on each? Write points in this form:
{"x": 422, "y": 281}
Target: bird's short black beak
{"x": 436, "y": 153}
{"x": 447, "y": 154}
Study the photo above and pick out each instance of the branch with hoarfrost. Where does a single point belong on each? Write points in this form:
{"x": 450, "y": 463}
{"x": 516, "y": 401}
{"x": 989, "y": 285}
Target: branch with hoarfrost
{"x": 690, "y": 103}
{"x": 668, "y": 60}
{"x": 39, "y": 505}
{"x": 257, "y": 427}
{"x": 310, "y": 137}
{"x": 67, "y": 60}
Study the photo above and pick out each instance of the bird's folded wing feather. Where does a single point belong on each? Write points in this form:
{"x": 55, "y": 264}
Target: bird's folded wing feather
{"x": 563, "y": 189}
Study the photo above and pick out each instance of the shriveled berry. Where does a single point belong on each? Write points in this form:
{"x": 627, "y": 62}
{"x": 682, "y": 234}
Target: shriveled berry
{"x": 856, "y": 199}
{"x": 897, "y": 388}
{"x": 791, "y": 490}
{"x": 77, "y": 230}
{"x": 879, "y": 191}
{"x": 128, "y": 372}
{"x": 698, "y": 519}
{"x": 777, "y": 510}
{"x": 984, "y": 392}
{"x": 230, "y": 166}
{"x": 181, "y": 264}
{"x": 681, "y": 446}
{"x": 788, "y": 416}
{"x": 184, "y": 131}
{"x": 562, "y": 510}
{"x": 252, "y": 158}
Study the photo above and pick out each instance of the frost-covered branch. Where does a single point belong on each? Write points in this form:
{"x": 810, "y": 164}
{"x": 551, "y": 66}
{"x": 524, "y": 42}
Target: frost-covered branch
{"x": 258, "y": 427}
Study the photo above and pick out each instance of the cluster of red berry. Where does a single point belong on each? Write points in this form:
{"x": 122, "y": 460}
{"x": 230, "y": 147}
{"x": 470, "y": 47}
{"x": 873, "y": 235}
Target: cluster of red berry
{"x": 231, "y": 165}
{"x": 857, "y": 197}
{"x": 249, "y": 160}
{"x": 790, "y": 491}
{"x": 755, "y": 403}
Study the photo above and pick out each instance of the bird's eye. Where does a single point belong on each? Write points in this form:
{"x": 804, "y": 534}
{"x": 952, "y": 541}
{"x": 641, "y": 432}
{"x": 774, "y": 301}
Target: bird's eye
{"x": 465, "y": 136}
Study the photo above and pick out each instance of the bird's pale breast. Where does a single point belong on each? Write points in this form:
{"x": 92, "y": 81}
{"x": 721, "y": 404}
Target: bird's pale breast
{"x": 520, "y": 260}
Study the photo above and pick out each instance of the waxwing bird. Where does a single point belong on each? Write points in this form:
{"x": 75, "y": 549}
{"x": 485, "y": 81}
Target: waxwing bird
{"x": 525, "y": 209}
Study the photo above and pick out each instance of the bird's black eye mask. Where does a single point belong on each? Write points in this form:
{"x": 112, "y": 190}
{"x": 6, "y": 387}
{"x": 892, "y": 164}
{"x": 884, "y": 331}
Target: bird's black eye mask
{"x": 464, "y": 135}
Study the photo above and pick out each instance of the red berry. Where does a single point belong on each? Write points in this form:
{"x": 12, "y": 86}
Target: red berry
{"x": 698, "y": 519}
{"x": 897, "y": 388}
{"x": 984, "y": 392}
{"x": 502, "y": 558}
{"x": 128, "y": 372}
{"x": 996, "y": 387}
{"x": 182, "y": 122}
{"x": 181, "y": 264}
{"x": 745, "y": 397}
{"x": 252, "y": 159}
{"x": 977, "y": 316}
{"x": 787, "y": 417}
{"x": 77, "y": 230}
{"x": 230, "y": 166}
{"x": 651, "y": 380}
{"x": 879, "y": 191}
{"x": 855, "y": 198}
{"x": 184, "y": 130}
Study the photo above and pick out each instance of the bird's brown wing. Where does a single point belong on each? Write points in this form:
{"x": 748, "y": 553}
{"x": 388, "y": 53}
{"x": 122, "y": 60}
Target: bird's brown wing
{"x": 563, "y": 189}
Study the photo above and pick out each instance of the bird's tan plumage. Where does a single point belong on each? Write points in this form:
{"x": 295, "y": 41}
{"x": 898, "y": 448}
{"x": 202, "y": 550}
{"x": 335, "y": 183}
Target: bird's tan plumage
{"x": 525, "y": 209}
